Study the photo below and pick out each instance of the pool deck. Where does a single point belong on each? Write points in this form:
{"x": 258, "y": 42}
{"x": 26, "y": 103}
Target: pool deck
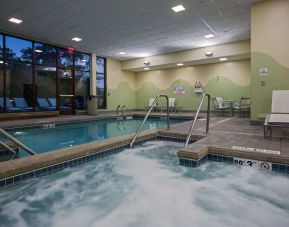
{"x": 227, "y": 136}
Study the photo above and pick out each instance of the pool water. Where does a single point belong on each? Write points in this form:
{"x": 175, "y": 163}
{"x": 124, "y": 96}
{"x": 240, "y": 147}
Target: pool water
{"x": 67, "y": 135}
{"x": 146, "y": 186}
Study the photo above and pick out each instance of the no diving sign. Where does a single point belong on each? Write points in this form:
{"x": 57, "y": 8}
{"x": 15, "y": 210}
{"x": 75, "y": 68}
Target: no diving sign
{"x": 253, "y": 163}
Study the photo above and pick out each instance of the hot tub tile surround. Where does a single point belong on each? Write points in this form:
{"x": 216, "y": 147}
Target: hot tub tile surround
{"x": 16, "y": 179}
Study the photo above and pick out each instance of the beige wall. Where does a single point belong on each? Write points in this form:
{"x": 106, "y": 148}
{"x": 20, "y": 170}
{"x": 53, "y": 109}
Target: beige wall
{"x": 230, "y": 80}
{"x": 238, "y": 72}
{"x": 269, "y": 49}
{"x": 120, "y": 86}
{"x": 270, "y": 29}
{"x": 115, "y": 75}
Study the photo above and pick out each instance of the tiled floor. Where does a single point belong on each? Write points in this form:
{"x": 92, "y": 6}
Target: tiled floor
{"x": 228, "y": 132}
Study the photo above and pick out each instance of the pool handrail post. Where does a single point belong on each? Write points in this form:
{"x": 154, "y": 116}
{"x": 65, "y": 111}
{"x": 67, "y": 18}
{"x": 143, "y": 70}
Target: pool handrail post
{"x": 9, "y": 149}
{"x": 17, "y": 142}
{"x": 148, "y": 113}
{"x": 124, "y": 108}
{"x": 196, "y": 117}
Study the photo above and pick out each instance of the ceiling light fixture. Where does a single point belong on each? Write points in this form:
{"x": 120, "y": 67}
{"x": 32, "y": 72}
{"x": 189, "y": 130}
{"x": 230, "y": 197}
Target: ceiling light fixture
{"x": 122, "y": 53}
{"x": 209, "y": 54}
{"x": 223, "y": 59}
{"x": 180, "y": 64}
{"x": 15, "y": 20}
{"x": 146, "y": 68}
{"x": 76, "y": 39}
{"x": 178, "y": 8}
{"x": 38, "y": 51}
{"x": 209, "y": 36}
{"x": 1, "y": 62}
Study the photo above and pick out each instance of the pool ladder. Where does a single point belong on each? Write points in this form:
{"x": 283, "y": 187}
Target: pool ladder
{"x": 196, "y": 117}
{"x": 148, "y": 113}
{"x": 123, "y": 109}
{"x": 15, "y": 141}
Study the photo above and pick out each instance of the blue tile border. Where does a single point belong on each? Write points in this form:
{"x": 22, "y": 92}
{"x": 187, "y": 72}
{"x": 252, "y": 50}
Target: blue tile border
{"x": 277, "y": 167}
{"x": 14, "y": 180}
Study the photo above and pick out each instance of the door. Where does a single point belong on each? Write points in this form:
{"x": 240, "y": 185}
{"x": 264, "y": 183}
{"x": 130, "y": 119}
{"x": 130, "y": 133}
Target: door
{"x": 66, "y": 91}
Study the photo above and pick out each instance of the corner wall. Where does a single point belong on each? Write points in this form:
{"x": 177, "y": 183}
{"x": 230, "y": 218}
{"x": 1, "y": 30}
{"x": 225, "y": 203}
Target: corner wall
{"x": 120, "y": 86}
{"x": 269, "y": 49}
{"x": 230, "y": 80}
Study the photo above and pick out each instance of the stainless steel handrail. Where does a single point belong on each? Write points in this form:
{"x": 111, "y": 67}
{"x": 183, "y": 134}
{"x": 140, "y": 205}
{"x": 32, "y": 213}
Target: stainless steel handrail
{"x": 196, "y": 117}
{"x": 149, "y": 111}
{"x": 122, "y": 109}
{"x": 9, "y": 149}
{"x": 117, "y": 109}
{"x": 17, "y": 142}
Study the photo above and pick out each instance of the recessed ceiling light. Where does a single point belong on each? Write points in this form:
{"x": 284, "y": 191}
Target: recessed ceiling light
{"x": 223, "y": 59}
{"x": 209, "y": 36}
{"x": 15, "y": 20}
{"x": 180, "y": 64}
{"x": 146, "y": 68}
{"x": 209, "y": 54}
{"x": 76, "y": 39}
{"x": 178, "y": 8}
{"x": 38, "y": 51}
{"x": 122, "y": 53}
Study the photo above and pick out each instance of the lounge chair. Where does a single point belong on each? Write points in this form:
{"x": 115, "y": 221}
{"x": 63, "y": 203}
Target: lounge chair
{"x": 44, "y": 105}
{"x": 9, "y": 106}
{"x": 151, "y": 101}
{"x": 219, "y": 107}
{"x": 244, "y": 107}
{"x": 279, "y": 116}
{"x": 21, "y": 103}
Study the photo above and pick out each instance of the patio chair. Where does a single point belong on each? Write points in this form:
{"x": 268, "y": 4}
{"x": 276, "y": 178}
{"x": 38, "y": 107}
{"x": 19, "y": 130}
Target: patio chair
{"x": 218, "y": 106}
{"x": 9, "y": 105}
{"x": 44, "y": 105}
{"x": 53, "y": 104}
{"x": 21, "y": 103}
{"x": 279, "y": 116}
{"x": 150, "y": 104}
{"x": 244, "y": 107}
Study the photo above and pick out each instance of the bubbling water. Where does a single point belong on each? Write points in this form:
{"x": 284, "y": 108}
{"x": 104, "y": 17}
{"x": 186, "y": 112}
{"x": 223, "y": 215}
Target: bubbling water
{"x": 145, "y": 186}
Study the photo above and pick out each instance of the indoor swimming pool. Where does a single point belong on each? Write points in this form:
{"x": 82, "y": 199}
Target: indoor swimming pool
{"x": 50, "y": 137}
{"x": 146, "y": 186}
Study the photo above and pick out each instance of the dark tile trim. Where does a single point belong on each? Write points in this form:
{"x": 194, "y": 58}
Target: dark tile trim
{"x": 14, "y": 180}
{"x": 277, "y": 167}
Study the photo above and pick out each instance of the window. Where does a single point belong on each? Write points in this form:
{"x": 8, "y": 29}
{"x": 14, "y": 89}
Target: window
{"x": 45, "y": 88}
{"x": 82, "y": 62}
{"x": 19, "y": 87}
{"x": 18, "y": 49}
{"x": 1, "y": 46}
{"x": 101, "y": 82}
{"x": 1, "y": 88}
{"x": 44, "y": 54}
{"x": 65, "y": 59}
{"x": 81, "y": 89}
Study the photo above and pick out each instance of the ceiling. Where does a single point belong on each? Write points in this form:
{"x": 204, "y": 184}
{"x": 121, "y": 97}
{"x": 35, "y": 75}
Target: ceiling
{"x": 138, "y": 27}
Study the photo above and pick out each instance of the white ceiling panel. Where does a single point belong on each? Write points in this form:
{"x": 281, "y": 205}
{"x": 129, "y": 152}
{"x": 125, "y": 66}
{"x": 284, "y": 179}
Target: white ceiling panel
{"x": 136, "y": 27}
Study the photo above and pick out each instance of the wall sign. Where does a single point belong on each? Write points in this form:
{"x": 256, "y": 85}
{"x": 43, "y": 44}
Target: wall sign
{"x": 263, "y": 72}
{"x": 250, "y": 149}
{"x": 179, "y": 90}
{"x": 253, "y": 163}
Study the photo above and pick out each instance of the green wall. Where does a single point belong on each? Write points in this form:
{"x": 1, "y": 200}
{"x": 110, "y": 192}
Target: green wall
{"x": 278, "y": 79}
{"x": 123, "y": 94}
{"x": 218, "y": 86}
